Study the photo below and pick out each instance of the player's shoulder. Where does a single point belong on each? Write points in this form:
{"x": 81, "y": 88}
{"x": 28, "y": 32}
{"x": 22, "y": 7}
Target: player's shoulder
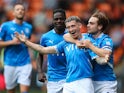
{"x": 27, "y": 24}
{"x": 47, "y": 34}
{"x": 106, "y": 37}
{"x": 64, "y": 43}
{"x": 85, "y": 35}
{"x": 6, "y": 23}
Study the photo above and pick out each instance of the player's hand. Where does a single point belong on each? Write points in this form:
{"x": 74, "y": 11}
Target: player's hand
{"x": 21, "y": 37}
{"x": 42, "y": 77}
{"x": 86, "y": 43}
{"x": 15, "y": 41}
{"x": 79, "y": 44}
{"x": 107, "y": 57}
{"x": 103, "y": 60}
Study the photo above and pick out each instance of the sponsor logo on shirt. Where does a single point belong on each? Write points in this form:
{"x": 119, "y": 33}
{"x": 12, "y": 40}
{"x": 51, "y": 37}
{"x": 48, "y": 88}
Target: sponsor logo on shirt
{"x": 51, "y": 41}
{"x": 13, "y": 29}
{"x": 27, "y": 30}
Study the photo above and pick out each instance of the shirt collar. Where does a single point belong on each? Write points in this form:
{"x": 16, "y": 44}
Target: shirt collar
{"x": 90, "y": 35}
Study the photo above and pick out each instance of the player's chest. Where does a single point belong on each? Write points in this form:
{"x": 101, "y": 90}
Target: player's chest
{"x": 20, "y": 29}
{"x": 53, "y": 41}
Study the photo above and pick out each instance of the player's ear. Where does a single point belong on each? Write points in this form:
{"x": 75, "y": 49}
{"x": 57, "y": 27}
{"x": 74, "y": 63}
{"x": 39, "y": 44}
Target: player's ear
{"x": 100, "y": 27}
{"x": 80, "y": 25}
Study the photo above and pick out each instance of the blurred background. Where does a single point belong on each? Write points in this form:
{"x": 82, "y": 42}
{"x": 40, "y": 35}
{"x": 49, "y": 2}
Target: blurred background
{"x": 39, "y": 14}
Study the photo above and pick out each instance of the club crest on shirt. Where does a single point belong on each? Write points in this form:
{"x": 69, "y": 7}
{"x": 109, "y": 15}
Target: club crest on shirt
{"x": 108, "y": 43}
{"x": 27, "y": 30}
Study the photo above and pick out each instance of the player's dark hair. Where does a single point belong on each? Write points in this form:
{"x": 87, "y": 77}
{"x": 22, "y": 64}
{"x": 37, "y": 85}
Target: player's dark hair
{"x": 60, "y": 11}
{"x": 102, "y": 19}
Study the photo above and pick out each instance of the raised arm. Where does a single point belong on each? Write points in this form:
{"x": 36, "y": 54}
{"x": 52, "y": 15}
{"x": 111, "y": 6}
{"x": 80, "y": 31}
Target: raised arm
{"x": 39, "y": 48}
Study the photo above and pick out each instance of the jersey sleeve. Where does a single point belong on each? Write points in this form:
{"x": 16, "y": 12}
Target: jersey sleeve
{"x": 107, "y": 44}
{"x": 60, "y": 47}
{"x": 2, "y": 31}
{"x": 92, "y": 54}
{"x": 42, "y": 40}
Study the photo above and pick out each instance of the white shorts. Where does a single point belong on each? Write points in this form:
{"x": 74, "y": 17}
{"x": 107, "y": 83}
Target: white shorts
{"x": 105, "y": 86}
{"x": 55, "y": 87}
{"x": 19, "y": 74}
{"x": 79, "y": 86}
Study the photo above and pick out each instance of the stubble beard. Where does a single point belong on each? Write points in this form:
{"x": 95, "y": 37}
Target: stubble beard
{"x": 20, "y": 18}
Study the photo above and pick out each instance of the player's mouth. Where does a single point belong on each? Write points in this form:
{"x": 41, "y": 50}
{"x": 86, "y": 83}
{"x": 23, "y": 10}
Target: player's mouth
{"x": 73, "y": 32}
{"x": 59, "y": 25}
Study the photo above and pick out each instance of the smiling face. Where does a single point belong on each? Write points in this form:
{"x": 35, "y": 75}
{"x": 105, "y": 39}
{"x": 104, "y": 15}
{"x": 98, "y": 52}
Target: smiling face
{"x": 73, "y": 28}
{"x": 58, "y": 20}
{"x": 19, "y": 11}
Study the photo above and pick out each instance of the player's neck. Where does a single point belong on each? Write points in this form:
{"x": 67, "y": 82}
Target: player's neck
{"x": 96, "y": 35}
{"x": 18, "y": 21}
{"x": 59, "y": 31}
{"x": 78, "y": 37}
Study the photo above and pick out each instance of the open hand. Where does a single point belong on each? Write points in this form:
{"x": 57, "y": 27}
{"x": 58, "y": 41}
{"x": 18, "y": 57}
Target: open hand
{"x": 107, "y": 57}
{"x": 15, "y": 41}
{"x": 79, "y": 44}
{"x": 21, "y": 37}
{"x": 86, "y": 43}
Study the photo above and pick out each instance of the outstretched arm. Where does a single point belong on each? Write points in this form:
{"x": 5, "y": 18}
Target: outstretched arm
{"x": 39, "y": 48}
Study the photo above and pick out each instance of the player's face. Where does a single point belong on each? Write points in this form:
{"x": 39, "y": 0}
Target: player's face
{"x": 74, "y": 28}
{"x": 58, "y": 20}
{"x": 92, "y": 25}
{"x": 19, "y": 12}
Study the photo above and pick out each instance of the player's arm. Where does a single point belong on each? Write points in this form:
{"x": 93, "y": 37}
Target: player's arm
{"x": 99, "y": 51}
{"x": 3, "y": 44}
{"x": 40, "y": 69}
{"x": 103, "y": 55}
{"x": 39, "y": 62}
{"x": 102, "y": 60}
{"x": 39, "y": 48}
{"x": 68, "y": 38}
